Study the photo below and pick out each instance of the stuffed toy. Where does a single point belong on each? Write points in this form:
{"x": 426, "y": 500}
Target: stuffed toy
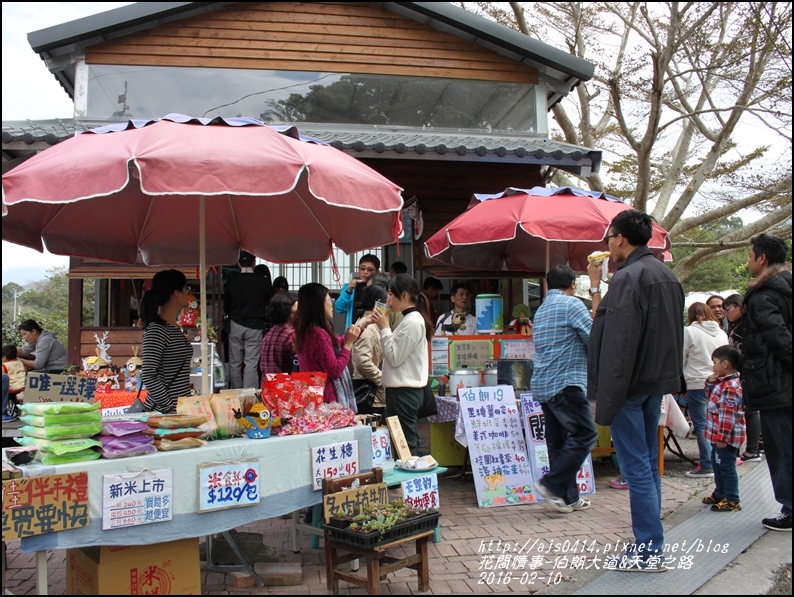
{"x": 459, "y": 320}
{"x": 521, "y": 323}
{"x": 190, "y": 314}
{"x": 132, "y": 378}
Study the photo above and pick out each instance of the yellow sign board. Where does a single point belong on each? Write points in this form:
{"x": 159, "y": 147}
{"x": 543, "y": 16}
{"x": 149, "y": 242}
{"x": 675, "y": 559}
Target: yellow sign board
{"x": 355, "y": 500}
{"x": 471, "y": 354}
{"x": 398, "y": 438}
{"x": 45, "y": 504}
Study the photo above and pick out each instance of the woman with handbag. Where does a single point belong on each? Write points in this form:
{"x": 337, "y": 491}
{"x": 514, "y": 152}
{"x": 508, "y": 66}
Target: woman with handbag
{"x": 405, "y": 362}
{"x": 166, "y": 351}
{"x": 319, "y": 349}
{"x": 367, "y": 357}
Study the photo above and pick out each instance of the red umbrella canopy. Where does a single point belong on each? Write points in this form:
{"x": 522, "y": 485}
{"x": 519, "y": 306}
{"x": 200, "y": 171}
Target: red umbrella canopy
{"x": 118, "y": 190}
{"x": 532, "y": 230}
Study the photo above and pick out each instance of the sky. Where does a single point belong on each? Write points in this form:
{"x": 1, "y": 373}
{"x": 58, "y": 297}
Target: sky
{"x": 30, "y": 92}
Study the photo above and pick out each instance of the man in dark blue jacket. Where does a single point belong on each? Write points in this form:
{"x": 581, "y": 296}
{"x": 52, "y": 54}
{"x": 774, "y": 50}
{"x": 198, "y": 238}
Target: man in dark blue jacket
{"x": 766, "y": 366}
{"x": 635, "y": 357}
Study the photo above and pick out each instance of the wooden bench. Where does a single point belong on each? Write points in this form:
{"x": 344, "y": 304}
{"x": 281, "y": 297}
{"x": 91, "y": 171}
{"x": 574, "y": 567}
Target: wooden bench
{"x": 379, "y": 563}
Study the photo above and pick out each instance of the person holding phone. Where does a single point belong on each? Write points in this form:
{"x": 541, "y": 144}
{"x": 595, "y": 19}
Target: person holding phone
{"x": 405, "y": 361}
{"x": 350, "y": 299}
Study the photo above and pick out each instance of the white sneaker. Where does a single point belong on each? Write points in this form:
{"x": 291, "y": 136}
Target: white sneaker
{"x": 555, "y": 501}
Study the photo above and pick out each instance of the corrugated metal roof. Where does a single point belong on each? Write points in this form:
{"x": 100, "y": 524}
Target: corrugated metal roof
{"x": 22, "y": 137}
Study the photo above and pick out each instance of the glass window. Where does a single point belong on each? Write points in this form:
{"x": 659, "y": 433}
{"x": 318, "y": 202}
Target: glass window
{"x": 116, "y": 91}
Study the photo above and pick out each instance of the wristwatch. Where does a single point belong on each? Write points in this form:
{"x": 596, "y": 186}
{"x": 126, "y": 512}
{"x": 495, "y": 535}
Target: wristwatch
{"x": 593, "y": 291}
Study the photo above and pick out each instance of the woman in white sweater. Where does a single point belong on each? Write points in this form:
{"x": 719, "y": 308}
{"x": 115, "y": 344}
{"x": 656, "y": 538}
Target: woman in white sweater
{"x": 405, "y": 361}
{"x": 701, "y": 337}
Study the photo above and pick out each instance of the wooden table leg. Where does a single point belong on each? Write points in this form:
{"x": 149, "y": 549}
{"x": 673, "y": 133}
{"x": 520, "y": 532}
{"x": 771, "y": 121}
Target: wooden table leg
{"x": 331, "y": 582}
{"x": 373, "y": 575}
{"x": 423, "y": 572}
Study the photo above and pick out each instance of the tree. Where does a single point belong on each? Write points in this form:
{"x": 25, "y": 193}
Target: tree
{"x": 677, "y": 87}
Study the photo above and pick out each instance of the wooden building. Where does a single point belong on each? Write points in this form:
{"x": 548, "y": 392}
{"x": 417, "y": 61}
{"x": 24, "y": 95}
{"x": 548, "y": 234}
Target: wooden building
{"x": 441, "y": 101}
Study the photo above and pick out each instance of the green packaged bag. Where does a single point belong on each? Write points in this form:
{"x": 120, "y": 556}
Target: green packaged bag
{"x": 54, "y": 408}
{"x": 62, "y": 431}
{"x": 61, "y": 419}
{"x": 51, "y": 458}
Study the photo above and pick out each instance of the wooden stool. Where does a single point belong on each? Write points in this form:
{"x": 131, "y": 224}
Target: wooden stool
{"x": 374, "y": 569}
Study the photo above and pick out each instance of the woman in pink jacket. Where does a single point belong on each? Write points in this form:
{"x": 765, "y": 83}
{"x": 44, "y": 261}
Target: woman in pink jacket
{"x": 318, "y": 347}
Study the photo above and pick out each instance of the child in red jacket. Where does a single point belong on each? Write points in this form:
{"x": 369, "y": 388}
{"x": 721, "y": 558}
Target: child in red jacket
{"x": 725, "y": 427}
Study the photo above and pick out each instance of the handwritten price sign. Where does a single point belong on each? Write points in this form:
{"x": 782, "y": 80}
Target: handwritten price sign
{"x": 137, "y": 498}
{"x": 228, "y": 485}
{"x": 334, "y": 461}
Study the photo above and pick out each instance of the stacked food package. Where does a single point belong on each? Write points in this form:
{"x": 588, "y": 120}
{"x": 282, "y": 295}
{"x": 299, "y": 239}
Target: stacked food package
{"x": 62, "y": 431}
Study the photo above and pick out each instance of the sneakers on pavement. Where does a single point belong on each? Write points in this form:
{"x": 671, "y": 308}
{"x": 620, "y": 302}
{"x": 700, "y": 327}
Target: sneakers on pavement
{"x": 632, "y": 562}
{"x": 746, "y": 457}
{"x": 552, "y": 500}
{"x": 9, "y": 418}
{"x": 581, "y": 504}
{"x": 619, "y": 483}
{"x": 739, "y": 461}
{"x": 781, "y": 523}
{"x": 700, "y": 472}
{"x": 726, "y": 505}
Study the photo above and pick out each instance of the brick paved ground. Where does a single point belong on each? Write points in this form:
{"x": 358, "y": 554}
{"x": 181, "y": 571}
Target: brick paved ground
{"x": 454, "y": 562}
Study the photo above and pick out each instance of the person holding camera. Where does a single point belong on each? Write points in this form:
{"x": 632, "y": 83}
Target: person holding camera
{"x": 350, "y": 299}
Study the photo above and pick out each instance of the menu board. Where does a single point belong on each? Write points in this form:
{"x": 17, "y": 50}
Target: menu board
{"x": 535, "y": 427}
{"x": 499, "y": 460}
{"x": 471, "y": 354}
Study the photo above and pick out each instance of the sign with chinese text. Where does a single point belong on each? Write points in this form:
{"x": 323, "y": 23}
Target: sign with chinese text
{"x": 47, "y": 387}
{"x": 439, "y": 355}
{"x": 421, "y": 492}
{"x": 470, "y": 353}
{"x": 355, "y": 500}
{"x": 45, "y": 504}
{"x": 381, "y": 447}
{"x": 334, "y": 461}
{"x": 228, "y": 485}
{"x": 535, "y": 429}
{"x": 518, "y": 349}
{"x": 133, "y": 499}
{"x": 498, "y": 454}
{"x": 398, "y": 437}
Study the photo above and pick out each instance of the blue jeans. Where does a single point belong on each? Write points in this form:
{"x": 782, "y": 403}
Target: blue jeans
{"x": 726, "y": 479}
{"x": 697, "y": 401}
{"x": 635, "y": 433}
{"x": 776, "y": 428}
{"x": 570, "y": 435}
{"x": 5, "y": 394}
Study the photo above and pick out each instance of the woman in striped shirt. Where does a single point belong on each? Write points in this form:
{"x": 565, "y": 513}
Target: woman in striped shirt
{"x": 166, "y": 351}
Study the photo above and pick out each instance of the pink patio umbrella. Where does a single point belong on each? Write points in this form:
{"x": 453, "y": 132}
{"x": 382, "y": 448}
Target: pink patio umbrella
{"x": 532, "y": 230}
{"x": 187, "y": 191}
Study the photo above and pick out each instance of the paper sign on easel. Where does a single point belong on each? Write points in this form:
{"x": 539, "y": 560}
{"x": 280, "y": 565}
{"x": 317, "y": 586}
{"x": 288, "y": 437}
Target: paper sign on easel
{"x": 334, "y": 461}
{"x": 535, "y": 428}
{"x": 398, "y": 438}
{"x": 499, "y": 461}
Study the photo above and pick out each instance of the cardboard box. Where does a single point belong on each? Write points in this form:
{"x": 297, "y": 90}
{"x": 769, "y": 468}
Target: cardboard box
{"x": 162, "y": 568}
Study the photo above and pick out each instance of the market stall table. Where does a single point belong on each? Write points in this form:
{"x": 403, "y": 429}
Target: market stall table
{"x": 286, "y": 484}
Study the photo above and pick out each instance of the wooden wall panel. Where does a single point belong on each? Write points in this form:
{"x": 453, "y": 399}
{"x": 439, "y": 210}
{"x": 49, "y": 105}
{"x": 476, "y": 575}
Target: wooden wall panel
{"x": 311, "y": 36}
{"x": 122, "y": 342}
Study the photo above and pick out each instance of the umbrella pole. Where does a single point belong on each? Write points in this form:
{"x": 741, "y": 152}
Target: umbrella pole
{"x": 205, "y": 389}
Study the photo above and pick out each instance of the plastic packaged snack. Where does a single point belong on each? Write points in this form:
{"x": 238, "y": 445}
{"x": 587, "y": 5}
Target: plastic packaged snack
{"x": 51, "y": 458}
{"x": 61, "y": 419}
{"x": 136, "y": 444}
{"x": 121, "y": 428}
{"x": 62, "y": 431}
{"x": 166, "y": 445}
{"x": 50, "y": 408}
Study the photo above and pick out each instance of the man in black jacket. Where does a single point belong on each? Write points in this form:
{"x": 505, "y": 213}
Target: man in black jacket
{"x": 766, "y": 366}
{"x": 245, "y": 299}
{"x": 634, "y": 358}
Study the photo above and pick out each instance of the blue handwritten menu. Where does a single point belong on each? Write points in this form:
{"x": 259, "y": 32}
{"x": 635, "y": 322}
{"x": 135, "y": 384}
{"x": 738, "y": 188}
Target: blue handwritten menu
{"x": 133, "y": 499}
{"x": 535, "y": 427}
{"x": 498, "y": 454}
{"x": 228, "y": 484}
{"x": 334, "y": 461}
{"x": 421, "y": 492}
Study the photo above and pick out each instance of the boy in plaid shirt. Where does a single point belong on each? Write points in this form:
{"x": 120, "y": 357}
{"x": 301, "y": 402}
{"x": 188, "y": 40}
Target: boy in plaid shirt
{"x": 725, "y": 427}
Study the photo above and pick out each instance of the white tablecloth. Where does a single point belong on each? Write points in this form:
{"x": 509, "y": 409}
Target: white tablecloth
{"x": 285, "y": 486}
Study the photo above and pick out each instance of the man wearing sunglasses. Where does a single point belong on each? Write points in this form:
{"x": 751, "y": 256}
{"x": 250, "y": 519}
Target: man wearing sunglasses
{"x": 350, "y": 298}
{"x": 635, "y": 356}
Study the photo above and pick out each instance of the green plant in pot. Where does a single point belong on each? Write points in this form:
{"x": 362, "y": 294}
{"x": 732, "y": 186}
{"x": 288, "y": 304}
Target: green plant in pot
{"x": 381, "y": 518}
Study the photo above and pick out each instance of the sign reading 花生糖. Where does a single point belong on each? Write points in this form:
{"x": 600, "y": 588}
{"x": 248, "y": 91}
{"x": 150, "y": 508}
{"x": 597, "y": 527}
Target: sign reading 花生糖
{"x": 45, "y": 504}
{"x": 334, "y": 461}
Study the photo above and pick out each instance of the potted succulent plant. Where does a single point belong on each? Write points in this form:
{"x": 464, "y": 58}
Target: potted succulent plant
{"x": 374, "y": 524}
